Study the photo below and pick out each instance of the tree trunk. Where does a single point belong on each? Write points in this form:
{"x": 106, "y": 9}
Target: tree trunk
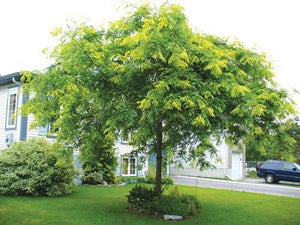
{"x": 158, "y": 152}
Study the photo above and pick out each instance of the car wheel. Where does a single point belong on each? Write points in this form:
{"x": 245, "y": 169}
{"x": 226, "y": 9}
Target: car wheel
{"x": 269, "y": 178}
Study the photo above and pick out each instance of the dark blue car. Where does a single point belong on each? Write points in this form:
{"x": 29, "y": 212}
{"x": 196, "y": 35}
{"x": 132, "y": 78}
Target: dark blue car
{"x": 276, "y": 170}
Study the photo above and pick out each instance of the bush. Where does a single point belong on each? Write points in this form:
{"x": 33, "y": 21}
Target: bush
{"x": 172, "y": 205}
{"x": 96, "y": 156}
{"x": 150, "y": 179}
{"x": 142, "y": 199}
{"x": 178, "y": 204}
{"x": 129, "y": 180}
{"x": 36, "y": 168}
{"x": 165, "y": 180}
{"x": 192, "y": 203}
{"x": 93, "y": 178}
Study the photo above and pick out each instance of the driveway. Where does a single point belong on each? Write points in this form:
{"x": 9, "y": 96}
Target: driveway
{"x": 252, "y": 185}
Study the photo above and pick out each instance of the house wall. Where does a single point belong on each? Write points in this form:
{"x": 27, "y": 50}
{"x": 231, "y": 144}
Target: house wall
{"x": 4, "y": 89}
{"x": 223, "y": 168}
{"x": 31, "y": 132}
{"x": 123, "y": 148}
{"x": 34, "y": 132}
{"x": 221, "y": 165}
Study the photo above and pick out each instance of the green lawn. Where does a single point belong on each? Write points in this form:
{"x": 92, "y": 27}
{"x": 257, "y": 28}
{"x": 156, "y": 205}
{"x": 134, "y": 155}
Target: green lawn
{"x": 107, "y": 205}
{"x": 252, "y": 174}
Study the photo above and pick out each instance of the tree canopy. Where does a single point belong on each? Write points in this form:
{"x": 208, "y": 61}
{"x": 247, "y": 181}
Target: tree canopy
{"x": 277, "y": 147}
{"x": 149, "y": 74}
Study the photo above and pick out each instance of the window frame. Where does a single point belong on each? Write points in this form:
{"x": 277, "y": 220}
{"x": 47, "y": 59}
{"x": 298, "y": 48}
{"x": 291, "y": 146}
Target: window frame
{"x": 12, "y": 91}
{"x": 128, "y": 169}
{"x": 288, "y": 166}
{"x": 45, "y": 131}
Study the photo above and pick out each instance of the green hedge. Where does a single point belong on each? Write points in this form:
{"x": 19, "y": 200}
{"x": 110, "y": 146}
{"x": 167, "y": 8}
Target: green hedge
{"x": 36, "y": 168}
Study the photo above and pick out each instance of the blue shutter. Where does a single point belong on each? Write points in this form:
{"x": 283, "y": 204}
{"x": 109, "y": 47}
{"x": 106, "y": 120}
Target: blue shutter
{"x": 138, "y": 172}
{"x": 119, "y": 168}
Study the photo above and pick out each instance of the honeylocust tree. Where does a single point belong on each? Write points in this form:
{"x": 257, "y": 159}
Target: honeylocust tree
{"x": 172, "y": 89}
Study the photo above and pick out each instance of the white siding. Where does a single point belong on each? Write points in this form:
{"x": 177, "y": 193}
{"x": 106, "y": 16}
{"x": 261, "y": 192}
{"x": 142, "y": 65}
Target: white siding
{"x": 214, "y": 173}
{"x": 3, "y": 108}
{"x": 223, "y": 169}
{"x": 31, "y": 132}
{"x": 222, "y": 153}
{"x": 122, "y": 149}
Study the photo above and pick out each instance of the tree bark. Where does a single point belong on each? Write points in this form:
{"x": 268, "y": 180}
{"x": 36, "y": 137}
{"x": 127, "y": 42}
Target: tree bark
{"x": 158, "y": 151}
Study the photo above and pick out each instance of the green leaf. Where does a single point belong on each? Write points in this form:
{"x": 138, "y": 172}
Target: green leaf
{"x": 238, "y": 91}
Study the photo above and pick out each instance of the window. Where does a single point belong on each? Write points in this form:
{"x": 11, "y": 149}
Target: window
{"x": 124, "y": 139}
{"x": 280, "y": 166}
{"x": 270, "y": 165}
{"x": 11, "y": 116}
{"x": 288, "y": 166}
{"x": 128, "y": 166}
{"x": 48, "y": 131}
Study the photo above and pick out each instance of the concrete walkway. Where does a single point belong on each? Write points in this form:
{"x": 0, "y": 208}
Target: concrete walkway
{"x": 251, "y": 185}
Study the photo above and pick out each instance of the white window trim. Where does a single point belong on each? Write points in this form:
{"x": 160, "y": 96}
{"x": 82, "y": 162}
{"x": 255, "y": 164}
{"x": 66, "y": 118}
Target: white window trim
{"x": 12, "y": 91}
{"x": 128, "y": 167}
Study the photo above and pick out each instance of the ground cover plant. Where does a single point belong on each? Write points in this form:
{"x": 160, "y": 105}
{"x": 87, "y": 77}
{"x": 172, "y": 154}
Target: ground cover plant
{"x": 108, "y": 205}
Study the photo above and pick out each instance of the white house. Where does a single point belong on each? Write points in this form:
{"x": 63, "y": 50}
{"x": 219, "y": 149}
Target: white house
{"x": 14, "y": 127}
{"x": 231, "y": 165}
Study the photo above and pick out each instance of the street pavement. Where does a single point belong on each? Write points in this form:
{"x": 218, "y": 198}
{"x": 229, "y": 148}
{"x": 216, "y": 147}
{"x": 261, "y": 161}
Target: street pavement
{"x": 290, "y": 189}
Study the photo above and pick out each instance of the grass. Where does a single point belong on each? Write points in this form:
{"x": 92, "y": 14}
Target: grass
{"x": 107, "y": 205}
{"x": 252, "y": 174}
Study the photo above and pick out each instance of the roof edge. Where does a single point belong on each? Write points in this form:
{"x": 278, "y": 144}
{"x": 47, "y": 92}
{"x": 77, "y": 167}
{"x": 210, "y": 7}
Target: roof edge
{"x": 7, "y": 79}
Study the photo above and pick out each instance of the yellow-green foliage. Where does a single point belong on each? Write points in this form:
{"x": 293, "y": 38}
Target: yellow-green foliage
{"x": 150, "y": 74}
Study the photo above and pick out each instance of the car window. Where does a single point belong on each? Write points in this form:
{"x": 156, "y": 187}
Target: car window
{"x": 269, "y": 165}
{"x": 288, "y": 166}
{"x": 297, "y": 166}
{"x": 280, "y": 166}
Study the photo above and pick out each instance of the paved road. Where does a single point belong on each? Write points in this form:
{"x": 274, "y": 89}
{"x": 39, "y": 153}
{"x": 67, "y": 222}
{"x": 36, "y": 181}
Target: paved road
{"x": 273, "y": 189}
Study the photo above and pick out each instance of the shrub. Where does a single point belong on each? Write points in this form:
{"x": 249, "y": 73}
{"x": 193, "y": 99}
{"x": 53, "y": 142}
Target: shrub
{"x": 36, "y": 168}
{"x": 178, "y": 204}
{"x": 172, "y": 205}
{"x": 129, "y": 180}
{"x": 142, "y": 199}
{"x": 165, "y": 180}
{"x": 97, "y": 156}
{"x": 192, "y": 203}
{"x": 147, "y": 200}
{"x": 93, "y": 178}
{"x": 150, "y": 179}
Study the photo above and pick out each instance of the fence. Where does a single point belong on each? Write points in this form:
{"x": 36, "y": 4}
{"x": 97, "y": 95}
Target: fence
{"x": 252, "y": 164}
